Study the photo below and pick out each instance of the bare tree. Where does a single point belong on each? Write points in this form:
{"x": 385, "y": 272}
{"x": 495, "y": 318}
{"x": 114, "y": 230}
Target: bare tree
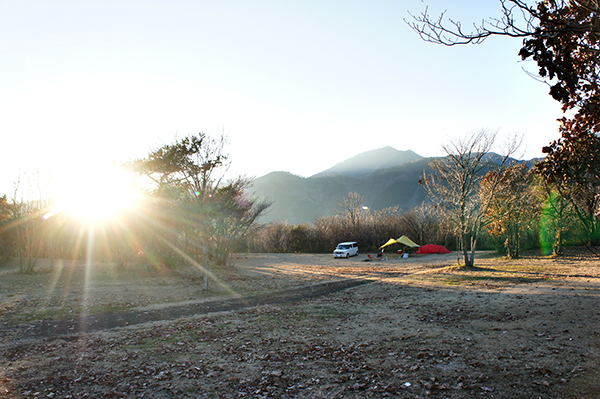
{"x": 423, "y": 225}
{"x": 517, "y": 20}
{"x": 274, "y": 238}
{"x": 351, "y": 208}
{"x": 7, "y": 246}
{"x": 230, "y": 216}
{"x": 27, "y": 224}
{"x": 454, "y": 184}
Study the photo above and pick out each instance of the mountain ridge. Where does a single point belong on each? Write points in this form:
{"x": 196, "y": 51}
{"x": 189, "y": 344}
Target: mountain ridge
{"x": 389, "y": 177}
{"x": 384, "y": 177}
{"x": 369, "y": 161}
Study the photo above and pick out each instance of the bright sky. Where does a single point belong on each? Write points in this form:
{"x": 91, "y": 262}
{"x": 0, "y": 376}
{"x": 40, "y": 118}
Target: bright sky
{"x": 297, "y": 86}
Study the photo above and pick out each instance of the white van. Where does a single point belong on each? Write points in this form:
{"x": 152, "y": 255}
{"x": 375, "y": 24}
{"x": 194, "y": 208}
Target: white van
{"x": 346, "y": 250}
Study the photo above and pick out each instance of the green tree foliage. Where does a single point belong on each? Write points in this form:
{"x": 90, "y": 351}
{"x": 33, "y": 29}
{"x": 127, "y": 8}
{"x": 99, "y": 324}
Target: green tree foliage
{"x": 556, "y": 220}
{"x": 192, "y": 167}
{"x": 302, "y": 238}
{"x": 194, "y": 214}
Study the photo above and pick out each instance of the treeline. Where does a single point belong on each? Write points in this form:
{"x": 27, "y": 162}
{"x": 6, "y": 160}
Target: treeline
{"x": 525, "y": 214}
{"x": 370, "y": 229}
{"x": 477, "y": 200}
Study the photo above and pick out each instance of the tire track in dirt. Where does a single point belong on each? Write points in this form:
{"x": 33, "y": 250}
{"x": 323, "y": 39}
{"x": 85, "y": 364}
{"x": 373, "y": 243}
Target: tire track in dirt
{"x": 91, "y": 323}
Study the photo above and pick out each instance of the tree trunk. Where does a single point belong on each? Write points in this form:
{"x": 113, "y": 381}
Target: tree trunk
{"x": 594, "y": 234}
{"x": 518, "y": 244}
{"x": 466, "y": 238}
{"x": 558, "y": 243}
{"x": 469, "y": 258}
{"x": 205, "y": 276}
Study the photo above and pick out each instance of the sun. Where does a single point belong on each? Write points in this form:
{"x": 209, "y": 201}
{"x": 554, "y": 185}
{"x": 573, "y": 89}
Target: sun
{"x": 96, "y": 191}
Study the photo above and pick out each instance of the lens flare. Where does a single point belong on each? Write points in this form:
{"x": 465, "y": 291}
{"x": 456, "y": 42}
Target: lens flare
{"x": 96, "y": 192}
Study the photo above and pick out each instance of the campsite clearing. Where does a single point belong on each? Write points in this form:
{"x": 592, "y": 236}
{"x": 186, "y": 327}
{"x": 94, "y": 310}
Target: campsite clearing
{"x": 419, "y": 327}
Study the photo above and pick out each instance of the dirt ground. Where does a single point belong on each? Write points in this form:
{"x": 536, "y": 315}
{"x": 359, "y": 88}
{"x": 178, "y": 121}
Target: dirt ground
{"x": 418, "y": 328}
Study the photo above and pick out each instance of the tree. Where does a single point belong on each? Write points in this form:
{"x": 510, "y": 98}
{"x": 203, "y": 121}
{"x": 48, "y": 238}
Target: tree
{"x": 556, "y": 220}
{"x": 27, "y": 227}
{"x": 229, "y": 216}
{"x": 424, "y": 225}
{"x": 182, "y": 177}
{"x": 275, "y": 237}
{"x": 191, "y": 165}
{"x": 302, "y": 238}
{"x": 454, "y": 185}
{"x": 195, "y": 214}
{"x": 562, "y": 37}
{"x": 6, "y": 242}
{"x": 517, "y": 20}
{"x": 385, "y": 224}
{"x": 513, "y": 209}
{"x": 572, "y": 167}
{"x": 351, "y": 209}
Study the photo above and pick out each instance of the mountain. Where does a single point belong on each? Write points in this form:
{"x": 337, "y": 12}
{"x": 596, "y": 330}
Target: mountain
{"x": 370, "y": 161}
{"x": 385, "y": 177}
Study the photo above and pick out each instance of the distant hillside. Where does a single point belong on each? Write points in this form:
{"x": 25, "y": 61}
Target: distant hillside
{"x": 385, "y": 177}
{"x": 298, "y": 199}
{"x": 301, "y": 200}
{"x": 370, "y": 161}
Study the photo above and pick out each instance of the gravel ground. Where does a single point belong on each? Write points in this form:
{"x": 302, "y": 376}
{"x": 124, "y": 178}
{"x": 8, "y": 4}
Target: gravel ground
{"x": 417, "y": 327}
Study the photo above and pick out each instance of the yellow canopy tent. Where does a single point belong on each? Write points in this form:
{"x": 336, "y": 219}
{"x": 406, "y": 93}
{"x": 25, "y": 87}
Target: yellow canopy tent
{"x": 404, "y": 240}
{"x": 390, "y": 242}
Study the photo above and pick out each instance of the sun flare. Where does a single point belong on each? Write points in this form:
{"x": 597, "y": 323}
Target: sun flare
{"x": 97, "y": 192}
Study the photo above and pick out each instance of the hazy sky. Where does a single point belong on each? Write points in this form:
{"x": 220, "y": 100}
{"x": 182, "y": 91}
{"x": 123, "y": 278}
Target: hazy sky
{"x": 297, "y": 86}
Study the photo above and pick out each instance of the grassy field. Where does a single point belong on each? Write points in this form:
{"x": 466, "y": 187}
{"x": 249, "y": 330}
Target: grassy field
{"x": 421, "y": 327}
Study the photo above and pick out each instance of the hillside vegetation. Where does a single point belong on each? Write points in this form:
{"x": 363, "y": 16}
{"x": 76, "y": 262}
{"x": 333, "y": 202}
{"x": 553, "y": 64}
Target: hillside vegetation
{"x": 385, "y": 177}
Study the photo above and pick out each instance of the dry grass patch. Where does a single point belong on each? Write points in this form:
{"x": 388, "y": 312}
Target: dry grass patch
{"x": 508, "y": 329}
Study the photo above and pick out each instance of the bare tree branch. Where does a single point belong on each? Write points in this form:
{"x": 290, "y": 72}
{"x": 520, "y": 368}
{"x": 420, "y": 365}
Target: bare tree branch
{"x": 517, "y": 20}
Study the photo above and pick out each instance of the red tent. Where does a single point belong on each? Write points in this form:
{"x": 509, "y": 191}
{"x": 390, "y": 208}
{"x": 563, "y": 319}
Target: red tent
{"x": 432, "y": 249}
